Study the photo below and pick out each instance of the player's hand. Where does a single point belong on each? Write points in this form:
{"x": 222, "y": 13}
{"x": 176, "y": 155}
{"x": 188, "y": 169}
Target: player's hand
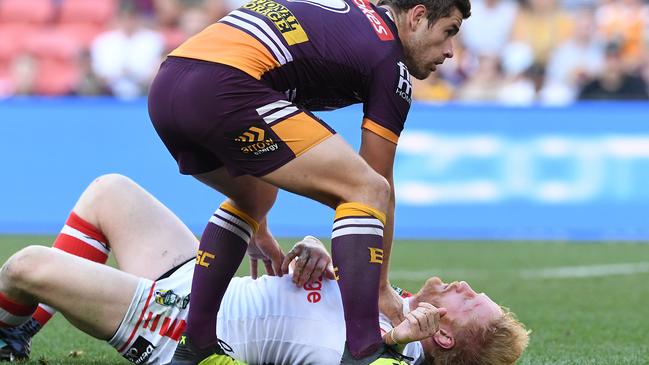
{"x": 419, "y": 324}
{"x": 312, "y": 261}
{"x": 391, "y": 304}
{"x": 264, "y": 247}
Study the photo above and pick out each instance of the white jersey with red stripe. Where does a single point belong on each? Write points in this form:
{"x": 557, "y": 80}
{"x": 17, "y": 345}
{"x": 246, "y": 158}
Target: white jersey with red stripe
{"x": 265, "y": 321}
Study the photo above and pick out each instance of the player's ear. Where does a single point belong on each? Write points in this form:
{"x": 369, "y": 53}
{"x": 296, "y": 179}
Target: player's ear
{"x": 416, "y": 15}
{"x": 444, "y": 339}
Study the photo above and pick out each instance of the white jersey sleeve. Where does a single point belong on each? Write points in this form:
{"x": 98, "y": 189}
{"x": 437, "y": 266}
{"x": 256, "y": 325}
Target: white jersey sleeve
{"x": 271, "y": 321}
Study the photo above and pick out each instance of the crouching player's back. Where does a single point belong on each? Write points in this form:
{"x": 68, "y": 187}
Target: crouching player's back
{"x": 321, "y": 54}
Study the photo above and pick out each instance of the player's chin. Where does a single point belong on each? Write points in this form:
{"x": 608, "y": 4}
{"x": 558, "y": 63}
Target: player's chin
{"x": 421, "y": 74}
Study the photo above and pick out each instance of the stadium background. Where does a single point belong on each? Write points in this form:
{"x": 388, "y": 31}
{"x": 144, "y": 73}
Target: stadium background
{"x": 528, "y": 134}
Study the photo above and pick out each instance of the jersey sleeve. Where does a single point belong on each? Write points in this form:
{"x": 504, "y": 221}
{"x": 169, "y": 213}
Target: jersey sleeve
{"x": 388, "y": 98}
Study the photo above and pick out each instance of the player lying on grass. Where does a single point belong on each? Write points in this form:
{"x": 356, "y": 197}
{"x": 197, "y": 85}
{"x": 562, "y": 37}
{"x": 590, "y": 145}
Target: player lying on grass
{"x": 141, "y": 308}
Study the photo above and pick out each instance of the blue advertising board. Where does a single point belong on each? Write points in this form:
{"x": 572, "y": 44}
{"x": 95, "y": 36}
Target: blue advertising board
{"x": 462, "y": 172}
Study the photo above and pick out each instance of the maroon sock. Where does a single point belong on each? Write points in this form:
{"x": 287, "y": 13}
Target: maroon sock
{"x": 357, "y": 250}
{"x": 223, "y": 246}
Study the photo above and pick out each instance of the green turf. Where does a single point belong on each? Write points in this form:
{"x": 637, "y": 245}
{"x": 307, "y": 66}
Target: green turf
{"x": 575, "y": 321}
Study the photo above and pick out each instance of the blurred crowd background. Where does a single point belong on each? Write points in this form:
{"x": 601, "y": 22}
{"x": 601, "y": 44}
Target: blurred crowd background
{"x": 515, "y": 52}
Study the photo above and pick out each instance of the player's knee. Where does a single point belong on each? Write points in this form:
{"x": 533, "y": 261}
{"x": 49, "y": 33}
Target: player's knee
{"x": 105, "y": 184}
{"x": 373, "y": 190}
{"x": 104, "y": 188}
{"x": 21, "y": 269}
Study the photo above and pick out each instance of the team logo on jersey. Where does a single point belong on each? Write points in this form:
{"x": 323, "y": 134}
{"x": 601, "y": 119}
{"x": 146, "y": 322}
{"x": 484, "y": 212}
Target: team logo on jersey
{"x": 284, "y": 20}
{"x": 140, "y": 352}
{"x": 375, "y": 20}
{"x": 255, "y": 141}
{"x": 170, "y": 299}
{"x": 404, "y": 86}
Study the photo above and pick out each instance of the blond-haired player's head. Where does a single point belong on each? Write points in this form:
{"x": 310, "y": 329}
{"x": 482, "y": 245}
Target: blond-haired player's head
{"x": 474, "y": 331}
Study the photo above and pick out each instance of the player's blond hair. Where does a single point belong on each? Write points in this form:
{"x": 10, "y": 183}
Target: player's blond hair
{"x": 501, "y": 342}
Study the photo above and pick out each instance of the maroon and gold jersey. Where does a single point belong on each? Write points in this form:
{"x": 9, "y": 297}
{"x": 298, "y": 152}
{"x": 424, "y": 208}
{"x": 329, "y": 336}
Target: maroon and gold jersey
{"x": 322, "y": 54}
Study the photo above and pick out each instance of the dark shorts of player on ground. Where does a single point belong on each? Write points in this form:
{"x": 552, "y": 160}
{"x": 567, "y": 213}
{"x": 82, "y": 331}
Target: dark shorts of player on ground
{"x": 211, "y": 115}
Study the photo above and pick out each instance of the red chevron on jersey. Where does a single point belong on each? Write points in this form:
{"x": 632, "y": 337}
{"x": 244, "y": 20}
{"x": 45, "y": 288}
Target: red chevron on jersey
{"x": 378, "y": 24}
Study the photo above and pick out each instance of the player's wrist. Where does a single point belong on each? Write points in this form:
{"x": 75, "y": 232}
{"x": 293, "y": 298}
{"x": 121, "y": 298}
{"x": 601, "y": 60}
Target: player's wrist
{"x": 390, "y": 339}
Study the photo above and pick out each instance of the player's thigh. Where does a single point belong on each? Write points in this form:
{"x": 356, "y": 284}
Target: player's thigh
{"x": 93, "y": 297}
{"x": 248, "y": 193}
{"x": 331, "y": 172}
{"x": 146, "y": 238}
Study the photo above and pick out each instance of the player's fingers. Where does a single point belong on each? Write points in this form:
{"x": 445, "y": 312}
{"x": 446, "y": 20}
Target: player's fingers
{"x": 276, "y": 262}
{"x": 429, "y": 313}
{"x": 269, "y": 268}
{"x": 300, "y": 263}
{"x": 329, "y": 272}
{"x": 421, "y": 319}
{"x": 318, "y": 271}
{"x": 441, "y": 311}
{"x": 253, "y": 268}
{"x": 307, "y": 272}
{"x": 290, "y": 256}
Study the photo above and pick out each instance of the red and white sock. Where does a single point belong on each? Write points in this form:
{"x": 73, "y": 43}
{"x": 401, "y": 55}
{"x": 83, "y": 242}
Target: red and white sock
{"x": 79, "y": 238}
{"x": 14, "y": 314}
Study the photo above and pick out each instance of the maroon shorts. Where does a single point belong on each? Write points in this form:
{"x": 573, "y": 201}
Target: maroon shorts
{"x": 211, "y": 115}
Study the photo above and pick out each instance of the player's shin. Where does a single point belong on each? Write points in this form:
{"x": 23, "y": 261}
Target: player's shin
{"x": 357, "y": 250}
{"x": 222, "y": 247}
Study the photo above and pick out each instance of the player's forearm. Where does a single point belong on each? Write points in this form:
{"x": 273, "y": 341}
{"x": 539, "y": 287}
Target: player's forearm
{"x": 388, "y": 236}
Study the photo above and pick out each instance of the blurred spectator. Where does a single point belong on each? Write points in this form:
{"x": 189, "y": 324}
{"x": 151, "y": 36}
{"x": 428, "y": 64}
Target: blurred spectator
{"x": 615, "y": 82}
{"x": 485, "y": 83}
{"x": 488, "y": 29}
{"x": 434, "y": 88}
{"x": 578, "y": 4}
{"x": 521, "y": 75}
{"x": 191, "y": 21}
{"x": 89, "y": 83}
{"x": 541, "y": 24}
{"x": 24, "y": 70}
{"x": 574, "y": 62}
{"x": 624, "y": 22}
{"x": 126, "y": 58}
{"x": 515, "y": 52}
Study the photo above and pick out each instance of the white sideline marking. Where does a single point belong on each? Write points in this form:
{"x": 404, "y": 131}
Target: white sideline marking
{"x": 568, "y": 272}
{"x": 561, "y": 272}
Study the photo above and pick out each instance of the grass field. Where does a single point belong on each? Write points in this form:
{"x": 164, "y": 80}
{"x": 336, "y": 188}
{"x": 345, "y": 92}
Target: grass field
{"x": 586, "y": 303}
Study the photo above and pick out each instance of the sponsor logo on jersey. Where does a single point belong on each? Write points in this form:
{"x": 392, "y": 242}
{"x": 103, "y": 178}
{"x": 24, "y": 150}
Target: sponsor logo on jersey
{"x": 404, "y": 86}
{"x": 313, "y": 291}
{"x": 284, "y": 20}
{"x": 375, "y": 20}
{"x": 140, "y": 352}
{"x": 170, "y": 299}
{"x": 255, "y": 142}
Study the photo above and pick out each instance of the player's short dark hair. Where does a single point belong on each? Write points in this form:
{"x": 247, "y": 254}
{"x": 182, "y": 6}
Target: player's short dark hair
{"x": 437, "y": 9}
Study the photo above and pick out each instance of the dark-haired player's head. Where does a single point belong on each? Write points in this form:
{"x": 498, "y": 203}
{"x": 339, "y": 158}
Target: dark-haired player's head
{"x": 474, "y": 331}
{"x": 426, "y": 30}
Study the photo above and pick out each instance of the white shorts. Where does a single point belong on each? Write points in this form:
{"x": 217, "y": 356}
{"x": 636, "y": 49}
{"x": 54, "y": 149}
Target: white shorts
{"x": 149, "y": 332}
